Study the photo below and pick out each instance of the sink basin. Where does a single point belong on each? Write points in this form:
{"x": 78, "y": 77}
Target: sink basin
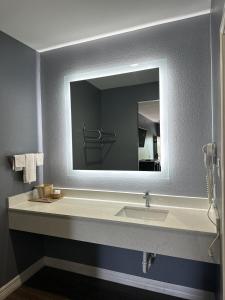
{"x": 143, "y": 213}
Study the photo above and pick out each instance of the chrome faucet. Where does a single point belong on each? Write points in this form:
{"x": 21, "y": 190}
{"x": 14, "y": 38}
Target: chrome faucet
{"x": 147, "y": 198}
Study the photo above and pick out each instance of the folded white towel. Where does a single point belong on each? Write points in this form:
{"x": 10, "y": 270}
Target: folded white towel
{"x": 40, "y": 159}
{"x": 18, "y": 162}
{"x": 29, "y": 172}
{"x": 28, "y": 163}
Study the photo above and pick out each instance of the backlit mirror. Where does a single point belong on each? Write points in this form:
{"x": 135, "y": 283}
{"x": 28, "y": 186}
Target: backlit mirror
{"x": 116, "y": 122}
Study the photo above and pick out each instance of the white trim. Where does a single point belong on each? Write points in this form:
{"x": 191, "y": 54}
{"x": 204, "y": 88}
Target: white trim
{"x": 211, "y": 79}
{"x": 39, "y": 103}
{"x": 39, "y": 114}
{"x": 222, "y": 101}
{"x": 130, "y": 280}
{"x": 130, "y": 29}
{"x": 115, "y": 70}
{"x": 17, "y": 281}
{"x": 222, "y": 25}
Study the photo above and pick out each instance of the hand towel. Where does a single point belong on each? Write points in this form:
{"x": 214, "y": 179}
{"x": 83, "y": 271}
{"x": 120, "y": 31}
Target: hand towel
{"x": 18, "y": 162}
{"x": 29, "y": 172}
{"x": 39, "y": 159}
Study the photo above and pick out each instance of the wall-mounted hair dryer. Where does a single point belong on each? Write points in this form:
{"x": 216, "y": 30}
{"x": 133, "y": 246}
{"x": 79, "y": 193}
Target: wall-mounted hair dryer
{"x": 209, "y": 151}
{"x": 211, "y": 161}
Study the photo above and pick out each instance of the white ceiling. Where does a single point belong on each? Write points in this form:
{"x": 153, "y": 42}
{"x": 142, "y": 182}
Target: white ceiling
{"x": 150, "y": 110}
{"x": 44, "y": 24}
{"x": 127, "y": 79}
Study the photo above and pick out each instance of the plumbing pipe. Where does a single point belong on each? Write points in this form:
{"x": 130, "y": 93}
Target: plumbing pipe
{"x": 147, "y": 261}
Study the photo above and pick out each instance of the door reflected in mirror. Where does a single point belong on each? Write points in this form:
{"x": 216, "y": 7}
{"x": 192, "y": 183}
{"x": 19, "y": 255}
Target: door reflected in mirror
{"x": 116, "y": 122}
{"x": 149, "y": 136}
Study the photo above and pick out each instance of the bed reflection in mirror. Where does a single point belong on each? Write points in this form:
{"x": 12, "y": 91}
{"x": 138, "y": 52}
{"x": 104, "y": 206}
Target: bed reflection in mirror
{"x": 116, "y": 122}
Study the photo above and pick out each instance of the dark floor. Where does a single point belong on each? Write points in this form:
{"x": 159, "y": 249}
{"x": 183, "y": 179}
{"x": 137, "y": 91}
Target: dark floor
{"x": 50, "y": 284}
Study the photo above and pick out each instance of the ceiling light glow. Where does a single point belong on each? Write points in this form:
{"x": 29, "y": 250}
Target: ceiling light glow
{"x": 134, "y": 28}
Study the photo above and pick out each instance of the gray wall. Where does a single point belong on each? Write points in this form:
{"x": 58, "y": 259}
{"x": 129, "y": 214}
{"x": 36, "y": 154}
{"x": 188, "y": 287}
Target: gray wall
{"x": 18, "y": 134}
{"x": 85, "y": 108}
{"x": 120, "y": 114}
{"x": 185, "y": 46}
{"x": 179, "y": 271}
{"x": 216, "y": 17}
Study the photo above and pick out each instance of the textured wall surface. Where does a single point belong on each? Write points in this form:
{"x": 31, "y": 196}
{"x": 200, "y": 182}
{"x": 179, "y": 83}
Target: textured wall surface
{"x": 185, "y": 46}
{"x": 18, "y": 134}
{"x": 216, "y": 17}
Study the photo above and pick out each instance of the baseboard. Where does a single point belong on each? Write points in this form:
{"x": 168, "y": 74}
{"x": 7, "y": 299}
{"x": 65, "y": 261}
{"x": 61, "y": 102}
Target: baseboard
{"x": 17, "y": 281}
{"x": 130, "y": 280}
{"x": 117, "y": 277}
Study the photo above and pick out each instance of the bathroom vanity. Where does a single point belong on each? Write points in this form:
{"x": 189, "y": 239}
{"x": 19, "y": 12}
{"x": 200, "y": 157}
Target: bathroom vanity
{"x": 174, "y": 226}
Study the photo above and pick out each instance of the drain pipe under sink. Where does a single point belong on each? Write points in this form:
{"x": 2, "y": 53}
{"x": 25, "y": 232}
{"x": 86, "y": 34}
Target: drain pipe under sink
{"x": 147, "y": 261}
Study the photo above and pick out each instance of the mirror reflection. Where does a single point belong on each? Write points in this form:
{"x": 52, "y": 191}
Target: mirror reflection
{"x": 149, "y": 136}
{"x": 116, "y": 122}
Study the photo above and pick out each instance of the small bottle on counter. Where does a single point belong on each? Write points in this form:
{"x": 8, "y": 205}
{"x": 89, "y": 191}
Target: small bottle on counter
{"x": 56, "y": 194}
{"x": 35, "y": 194}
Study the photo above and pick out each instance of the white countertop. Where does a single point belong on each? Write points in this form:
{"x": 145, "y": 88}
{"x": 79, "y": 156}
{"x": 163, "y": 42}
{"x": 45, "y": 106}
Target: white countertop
{"x": 180, "y": 216}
